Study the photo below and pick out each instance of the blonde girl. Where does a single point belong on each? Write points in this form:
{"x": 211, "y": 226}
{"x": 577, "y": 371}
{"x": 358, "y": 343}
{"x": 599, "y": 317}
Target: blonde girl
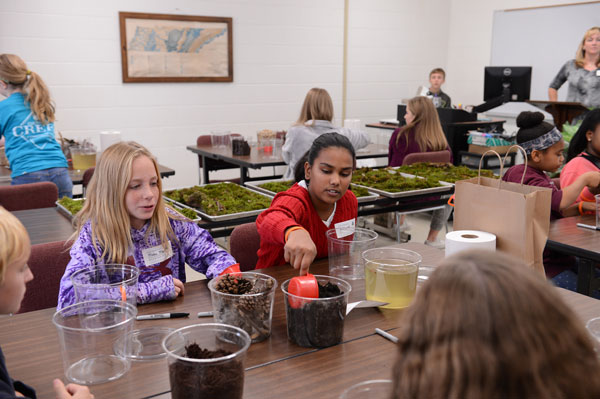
{"x": 15, "y": 249}
{"x": 316, "y": 118}
{"x": 27, "y": 127}
{"x": 582, "y": 73}
{"x": 422, "y": 133}
{"x": 124, "y": 220}
{"x": 485, "y": 326}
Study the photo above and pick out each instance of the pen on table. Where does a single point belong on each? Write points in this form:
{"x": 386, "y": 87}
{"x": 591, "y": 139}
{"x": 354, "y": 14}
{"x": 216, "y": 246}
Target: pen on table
{"x": 205, "y": 314}
{"x": 162, "y": 316}
{"x": 587, "y": 226}
{"x": 386, "y": 335}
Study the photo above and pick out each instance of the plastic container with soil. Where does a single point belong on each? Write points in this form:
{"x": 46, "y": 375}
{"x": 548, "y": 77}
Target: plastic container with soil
{"x": 244, "y": 300}
{"x": 317, "y": 322}
{"x": 207, "y": 361}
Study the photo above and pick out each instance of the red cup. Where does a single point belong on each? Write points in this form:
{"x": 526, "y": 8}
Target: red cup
{"x": 268, "y": 149}
{"x": 302, "y": 286}
{"x": 233, "y": 269}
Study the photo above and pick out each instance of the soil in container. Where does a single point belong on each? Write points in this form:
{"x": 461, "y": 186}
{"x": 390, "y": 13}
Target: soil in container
{"x": 224, "y": 380}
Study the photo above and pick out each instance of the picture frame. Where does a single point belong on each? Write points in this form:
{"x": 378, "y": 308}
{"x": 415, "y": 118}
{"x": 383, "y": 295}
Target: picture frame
{"x": 175, "y": 48}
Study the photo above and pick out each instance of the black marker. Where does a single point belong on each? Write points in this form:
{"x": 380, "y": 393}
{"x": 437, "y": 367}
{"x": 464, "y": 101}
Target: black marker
{"x": 162, "y": 316}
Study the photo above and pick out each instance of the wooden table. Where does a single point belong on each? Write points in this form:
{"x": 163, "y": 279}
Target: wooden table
{"x": 275, "y": 367}
{"x": 257, "y": 160}
{"x": 565, "y": 237}
{"x": 45, "y": 225}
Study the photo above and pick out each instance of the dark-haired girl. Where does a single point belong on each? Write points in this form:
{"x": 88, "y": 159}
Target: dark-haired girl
{"x": 544, "y": 146}
{"x": 293, "y": 228}
{"x": 583, "y": 156}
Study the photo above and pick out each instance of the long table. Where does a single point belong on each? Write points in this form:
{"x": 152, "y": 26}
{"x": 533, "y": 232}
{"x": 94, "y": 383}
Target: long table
{"x": 258, "y": 160}
{"x": 77, "y": 175}
{"x": 565, "y": 237}
{"x": 275, "y": 367}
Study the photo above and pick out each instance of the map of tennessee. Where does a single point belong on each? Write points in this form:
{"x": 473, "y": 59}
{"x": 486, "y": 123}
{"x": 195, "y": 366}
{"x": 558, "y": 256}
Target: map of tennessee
{"x": 185, "y": 40}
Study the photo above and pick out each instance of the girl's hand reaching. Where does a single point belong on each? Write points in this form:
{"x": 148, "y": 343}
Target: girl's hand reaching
{"x": 178, "y": 287}
{"x": 300, "y": 250}
{"x": 71, "y": 391}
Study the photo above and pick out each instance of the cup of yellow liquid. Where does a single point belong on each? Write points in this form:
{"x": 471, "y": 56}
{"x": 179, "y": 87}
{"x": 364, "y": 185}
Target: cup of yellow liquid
{"x": 83, "y": 157}
{"x": 391, "y": 275}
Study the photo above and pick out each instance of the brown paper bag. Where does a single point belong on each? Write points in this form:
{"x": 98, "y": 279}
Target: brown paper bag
{"x": 519, "y": 215}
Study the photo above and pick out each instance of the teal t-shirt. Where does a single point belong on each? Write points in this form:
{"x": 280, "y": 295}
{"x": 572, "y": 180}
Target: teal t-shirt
{"x": 30, "y": 145}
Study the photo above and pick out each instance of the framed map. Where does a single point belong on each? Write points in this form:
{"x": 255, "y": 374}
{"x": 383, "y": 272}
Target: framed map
{"x": 175, "y": 48}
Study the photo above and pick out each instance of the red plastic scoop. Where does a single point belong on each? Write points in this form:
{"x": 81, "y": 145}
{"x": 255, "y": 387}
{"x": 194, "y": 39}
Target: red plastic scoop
{"x": 233, "y": 269}
{"x": 302, "y": 286}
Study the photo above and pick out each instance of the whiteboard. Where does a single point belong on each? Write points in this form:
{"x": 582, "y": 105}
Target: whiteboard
{"x": 543, "y": 38}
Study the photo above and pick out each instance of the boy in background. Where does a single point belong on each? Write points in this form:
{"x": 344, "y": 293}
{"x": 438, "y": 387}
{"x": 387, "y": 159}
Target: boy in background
{"x": 437, "y": 77}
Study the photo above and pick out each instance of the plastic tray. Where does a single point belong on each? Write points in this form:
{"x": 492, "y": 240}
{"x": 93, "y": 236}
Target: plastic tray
{"x": 444, "y": 188}
{"x": 218, "y": 218}
{"x": 254, "y": 185}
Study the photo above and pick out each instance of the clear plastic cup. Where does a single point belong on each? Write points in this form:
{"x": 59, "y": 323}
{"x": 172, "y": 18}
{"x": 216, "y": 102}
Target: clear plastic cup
{"x": 345, "y": 252}
{"x": 316, "y": 322}
{"x": 83, "y": 157}
{"x": 218, "y": 377}
{"x": 373, "y": 389}
{"x": 252, "y": 312}
{"x": 111, "y": 281}
{"x": 220, "y": 138}
{"x": 391, "y": 275}
{"x": 88, "y": 333}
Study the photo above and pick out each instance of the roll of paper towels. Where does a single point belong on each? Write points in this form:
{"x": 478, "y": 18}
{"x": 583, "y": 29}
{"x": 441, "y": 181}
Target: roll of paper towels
{"x": 109, "y": 138}
{"x": 461, "y": 240}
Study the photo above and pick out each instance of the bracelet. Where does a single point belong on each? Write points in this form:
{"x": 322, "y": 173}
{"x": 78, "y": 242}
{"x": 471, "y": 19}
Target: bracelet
{"x": 293, "y": 228}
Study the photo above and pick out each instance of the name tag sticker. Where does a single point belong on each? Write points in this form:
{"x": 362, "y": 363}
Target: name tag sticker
{"x": 156, "y": 254}
{"x": 597, "y": 72}
{"x": 344, "y": 229}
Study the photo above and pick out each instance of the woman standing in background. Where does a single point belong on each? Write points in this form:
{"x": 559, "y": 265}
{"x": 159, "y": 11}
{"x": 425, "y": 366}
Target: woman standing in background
{"x": 582, "y": 73}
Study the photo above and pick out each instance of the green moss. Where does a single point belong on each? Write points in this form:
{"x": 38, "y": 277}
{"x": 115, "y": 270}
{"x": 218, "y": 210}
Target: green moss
{"x": 220, "y": 199}
{"x": 73, "y": 206}
{"x": 359, "y": 191}
{"x": 188, "y": 213}
{"x": 444, "y": 172}
{"x": 277, "y": 186}
{"x": 388, "y": 180}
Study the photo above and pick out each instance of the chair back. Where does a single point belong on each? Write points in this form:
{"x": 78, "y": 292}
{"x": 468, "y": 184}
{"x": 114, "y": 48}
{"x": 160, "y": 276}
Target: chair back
{"x": 433, "y": 157}
{"x": 244, "y": 243}
{"x": 28, "y": 196}
{"x": 47, "y": 263}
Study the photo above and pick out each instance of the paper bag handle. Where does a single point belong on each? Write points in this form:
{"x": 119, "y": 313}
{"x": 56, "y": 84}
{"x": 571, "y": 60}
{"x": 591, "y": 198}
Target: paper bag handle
{"x": 481, "y": 161}
{"x": 524, "y": 157}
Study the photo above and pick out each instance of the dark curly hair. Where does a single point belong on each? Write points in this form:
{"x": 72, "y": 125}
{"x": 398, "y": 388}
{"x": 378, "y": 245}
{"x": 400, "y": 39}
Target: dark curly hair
{"x": 579, "y": 141}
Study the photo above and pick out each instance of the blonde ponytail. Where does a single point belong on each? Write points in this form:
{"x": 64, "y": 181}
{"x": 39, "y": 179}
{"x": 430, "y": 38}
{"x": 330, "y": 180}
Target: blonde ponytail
{"x": 14, "y": 72}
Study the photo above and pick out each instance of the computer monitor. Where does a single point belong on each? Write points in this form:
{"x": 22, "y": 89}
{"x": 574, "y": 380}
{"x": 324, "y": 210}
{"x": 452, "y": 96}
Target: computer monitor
{"x": 511, "y": 83}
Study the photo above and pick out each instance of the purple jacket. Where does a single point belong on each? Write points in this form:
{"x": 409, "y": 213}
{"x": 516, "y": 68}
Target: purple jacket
{"x": 196, "y": 247}
{"x": 406, "y": 145}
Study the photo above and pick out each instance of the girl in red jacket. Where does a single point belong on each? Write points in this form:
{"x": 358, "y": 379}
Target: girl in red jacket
{"x": 293, "y": 228}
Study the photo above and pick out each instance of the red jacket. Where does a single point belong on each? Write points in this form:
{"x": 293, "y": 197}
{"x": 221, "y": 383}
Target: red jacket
{"x": 294, "y": 208}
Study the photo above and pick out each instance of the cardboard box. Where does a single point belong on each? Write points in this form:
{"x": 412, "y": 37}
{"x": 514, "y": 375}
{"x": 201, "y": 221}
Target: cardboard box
{"x": 480, "y": 149}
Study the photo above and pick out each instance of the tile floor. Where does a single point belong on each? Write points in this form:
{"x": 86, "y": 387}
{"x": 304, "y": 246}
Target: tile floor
{"x": 419, "y": 229}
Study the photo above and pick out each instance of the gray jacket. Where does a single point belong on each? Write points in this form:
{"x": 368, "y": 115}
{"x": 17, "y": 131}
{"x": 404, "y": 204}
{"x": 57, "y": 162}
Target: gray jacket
{"x": 299, "y": 139}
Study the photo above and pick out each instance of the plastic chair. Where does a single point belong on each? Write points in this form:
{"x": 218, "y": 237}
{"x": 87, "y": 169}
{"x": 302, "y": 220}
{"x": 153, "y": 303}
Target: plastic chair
{"x": 28, "y": 196}
{"x": 85, "y": 180}
{"x": 47, "y": 263}
{"x": 215, "y": 164}
{"x": 434, "y": 157}
{"x": 244, "y": 244}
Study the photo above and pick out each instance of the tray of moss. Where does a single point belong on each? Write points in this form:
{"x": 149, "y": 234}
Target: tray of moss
{"x": 69, "y": 207}
{"x": 220, "y": 201}
{"x": 272, "y": 187}
{"x": 393, "y": 184}
{"x": 444, "y": 172}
